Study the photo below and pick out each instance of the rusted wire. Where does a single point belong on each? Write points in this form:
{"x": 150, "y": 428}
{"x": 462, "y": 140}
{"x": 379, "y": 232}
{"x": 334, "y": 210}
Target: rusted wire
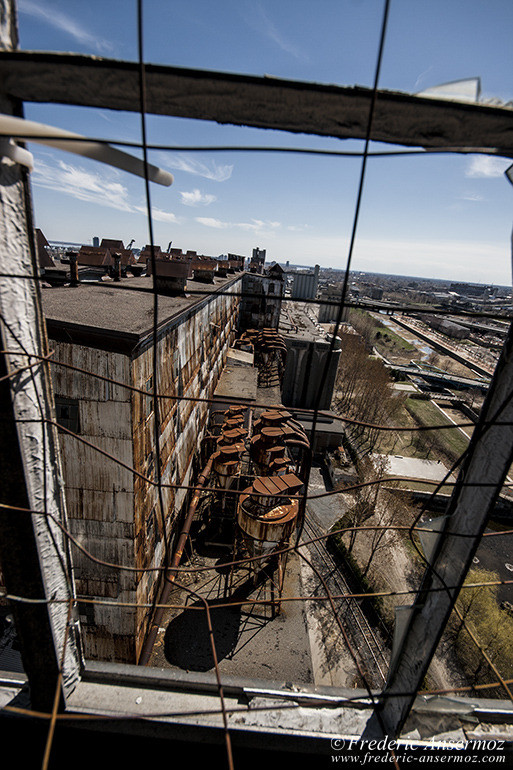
{"x": 263, "y": 602}
{"x": 170, "y": 485}
{"x": 250, "y": 559}
{"x": 366, "y": 305}
{"x": 255, "y": 405}
{"x": 344, "y": 701}
{"x": 148, "y": 715}
{"x": 27, "y": 136}
{"x": 227, "y": 737}
{"x": 54, "y": 716}
{"x": 483, "y": 652}
{"x": 26, "y": 367}
{"x": 155, "y": 362}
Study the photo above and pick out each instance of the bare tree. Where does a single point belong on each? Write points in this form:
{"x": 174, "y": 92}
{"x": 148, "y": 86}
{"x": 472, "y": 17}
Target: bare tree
{"x": 364, "y": 392}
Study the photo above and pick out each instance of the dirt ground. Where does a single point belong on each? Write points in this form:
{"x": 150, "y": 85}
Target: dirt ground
{"x": 392, "y": 569}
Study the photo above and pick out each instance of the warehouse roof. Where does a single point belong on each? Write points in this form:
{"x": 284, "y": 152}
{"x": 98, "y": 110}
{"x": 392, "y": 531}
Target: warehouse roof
{"x": 118, "y": 316}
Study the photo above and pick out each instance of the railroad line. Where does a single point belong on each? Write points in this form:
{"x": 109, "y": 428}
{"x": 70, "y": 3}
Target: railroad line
{"x": 365, "y": 641}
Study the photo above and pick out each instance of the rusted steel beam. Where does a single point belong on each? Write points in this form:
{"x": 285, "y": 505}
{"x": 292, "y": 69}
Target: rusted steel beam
{"x": 262, "y": 102}
{"x": 475, "y": 493}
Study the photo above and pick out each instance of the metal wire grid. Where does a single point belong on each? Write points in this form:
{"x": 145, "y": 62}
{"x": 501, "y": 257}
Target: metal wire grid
{"x": 328, "y": 596}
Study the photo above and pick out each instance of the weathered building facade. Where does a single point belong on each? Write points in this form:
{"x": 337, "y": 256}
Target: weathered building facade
{"x": 261, "y": 306}
{"x": 306, "y": 360}
{"x": 116, "y": 513}
{"x": 304, "y": 284}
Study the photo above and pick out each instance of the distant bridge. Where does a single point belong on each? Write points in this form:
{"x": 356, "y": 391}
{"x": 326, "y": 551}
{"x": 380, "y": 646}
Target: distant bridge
{"x": 443, "y": 378}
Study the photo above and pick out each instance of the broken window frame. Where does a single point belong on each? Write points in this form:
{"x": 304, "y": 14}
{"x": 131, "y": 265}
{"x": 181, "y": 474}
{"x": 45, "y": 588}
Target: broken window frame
{"x": 72, "y": 420}
{"x": 82, "y": 676}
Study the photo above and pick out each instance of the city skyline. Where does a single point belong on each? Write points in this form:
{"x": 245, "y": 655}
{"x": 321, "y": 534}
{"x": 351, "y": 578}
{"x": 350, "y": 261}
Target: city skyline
{"x": 441, "y": 216}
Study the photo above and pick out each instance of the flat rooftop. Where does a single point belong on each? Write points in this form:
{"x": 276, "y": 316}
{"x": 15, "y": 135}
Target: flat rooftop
{"x": 298, "y": 320}
{"x": 113, "y": 315}
{"x": 237, "y": 384}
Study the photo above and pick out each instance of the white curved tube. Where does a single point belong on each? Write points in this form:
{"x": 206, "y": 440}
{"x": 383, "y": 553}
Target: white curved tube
{"x": 19, "y": 128}
{"x": 8, "y": 149}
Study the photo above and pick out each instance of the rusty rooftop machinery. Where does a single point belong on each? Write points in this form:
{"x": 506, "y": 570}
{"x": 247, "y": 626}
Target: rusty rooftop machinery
{"x": 267, "y": 517}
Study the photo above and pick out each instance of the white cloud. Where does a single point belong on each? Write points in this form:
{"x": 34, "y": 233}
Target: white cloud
{"x": 470, "y": 196}
{"x": 197, "y": 198}
{"x": 487, "y": 166}
{"x": 421, "y": 77}
{"x": 255, "y": 225}
{"x": 81, "y": 184}
{"x": 214, "y": 171}
{"x": 63, "y": 23}
{"x": 158, "y": 214}
{"x": 257, "y": 18}
{"x": 91, "y": 188}
{"x": 215, "y": 223}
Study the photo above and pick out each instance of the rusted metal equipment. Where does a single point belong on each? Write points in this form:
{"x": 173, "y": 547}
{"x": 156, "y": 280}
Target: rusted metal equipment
{"x": 270, "y": 354}
{"x": 266, "y": 519}
{"x": 226, "y": 464}
{"x": 275, "y": 435}
{"x": 232, "y": 436}
{"x": 175, "y": 562}
{"x": 266, "y": 514}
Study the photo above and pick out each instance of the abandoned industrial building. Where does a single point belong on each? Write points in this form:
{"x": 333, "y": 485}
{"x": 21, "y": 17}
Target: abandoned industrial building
{"x": 207, "y": 345}
{"x": 177, "y": 485}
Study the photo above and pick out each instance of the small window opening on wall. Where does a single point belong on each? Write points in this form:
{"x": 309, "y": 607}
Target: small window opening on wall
{"x": 66, "y": 410}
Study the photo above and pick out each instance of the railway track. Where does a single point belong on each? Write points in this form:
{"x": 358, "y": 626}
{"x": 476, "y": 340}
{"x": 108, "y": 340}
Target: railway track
{"x": 365, "y": 642}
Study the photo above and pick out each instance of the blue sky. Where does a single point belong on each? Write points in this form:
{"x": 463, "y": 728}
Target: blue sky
{"x": 439, "y": 216}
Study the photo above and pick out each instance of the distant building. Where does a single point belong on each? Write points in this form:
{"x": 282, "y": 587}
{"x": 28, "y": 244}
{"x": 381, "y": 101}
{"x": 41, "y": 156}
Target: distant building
{"x": 259, "y": 255}
{"x": 450, "y": 328}
{"x": 308, "y": 349}
{"x": 374, "y": 292}
{"x": 305, "y": 284}
{"x": 469, "y": 289}
{"x": 328, "y": 313}
{"x": 261, "y": 307}
{"x": 304, "y": 368}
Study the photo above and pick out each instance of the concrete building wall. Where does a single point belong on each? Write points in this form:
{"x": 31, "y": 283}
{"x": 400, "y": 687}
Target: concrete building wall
{"x": 113, "y": 513}
{"x": 303, "y": 373}
{"x": 261, "y": 311}
{"x": 304, "y": 285}
{"x": 99, "y": 492}
{"x": 329, "y": 313}
{"x": 191, "y": 358}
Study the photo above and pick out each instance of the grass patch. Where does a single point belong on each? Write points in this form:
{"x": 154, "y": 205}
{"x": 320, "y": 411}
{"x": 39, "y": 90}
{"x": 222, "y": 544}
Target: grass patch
{"x": 405, "y": 443}
{"x": 387, "y": 340}
{"x": 451, "y": 443}
{"x": 492, "y": 626}
{"x": 379, "y": 335}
